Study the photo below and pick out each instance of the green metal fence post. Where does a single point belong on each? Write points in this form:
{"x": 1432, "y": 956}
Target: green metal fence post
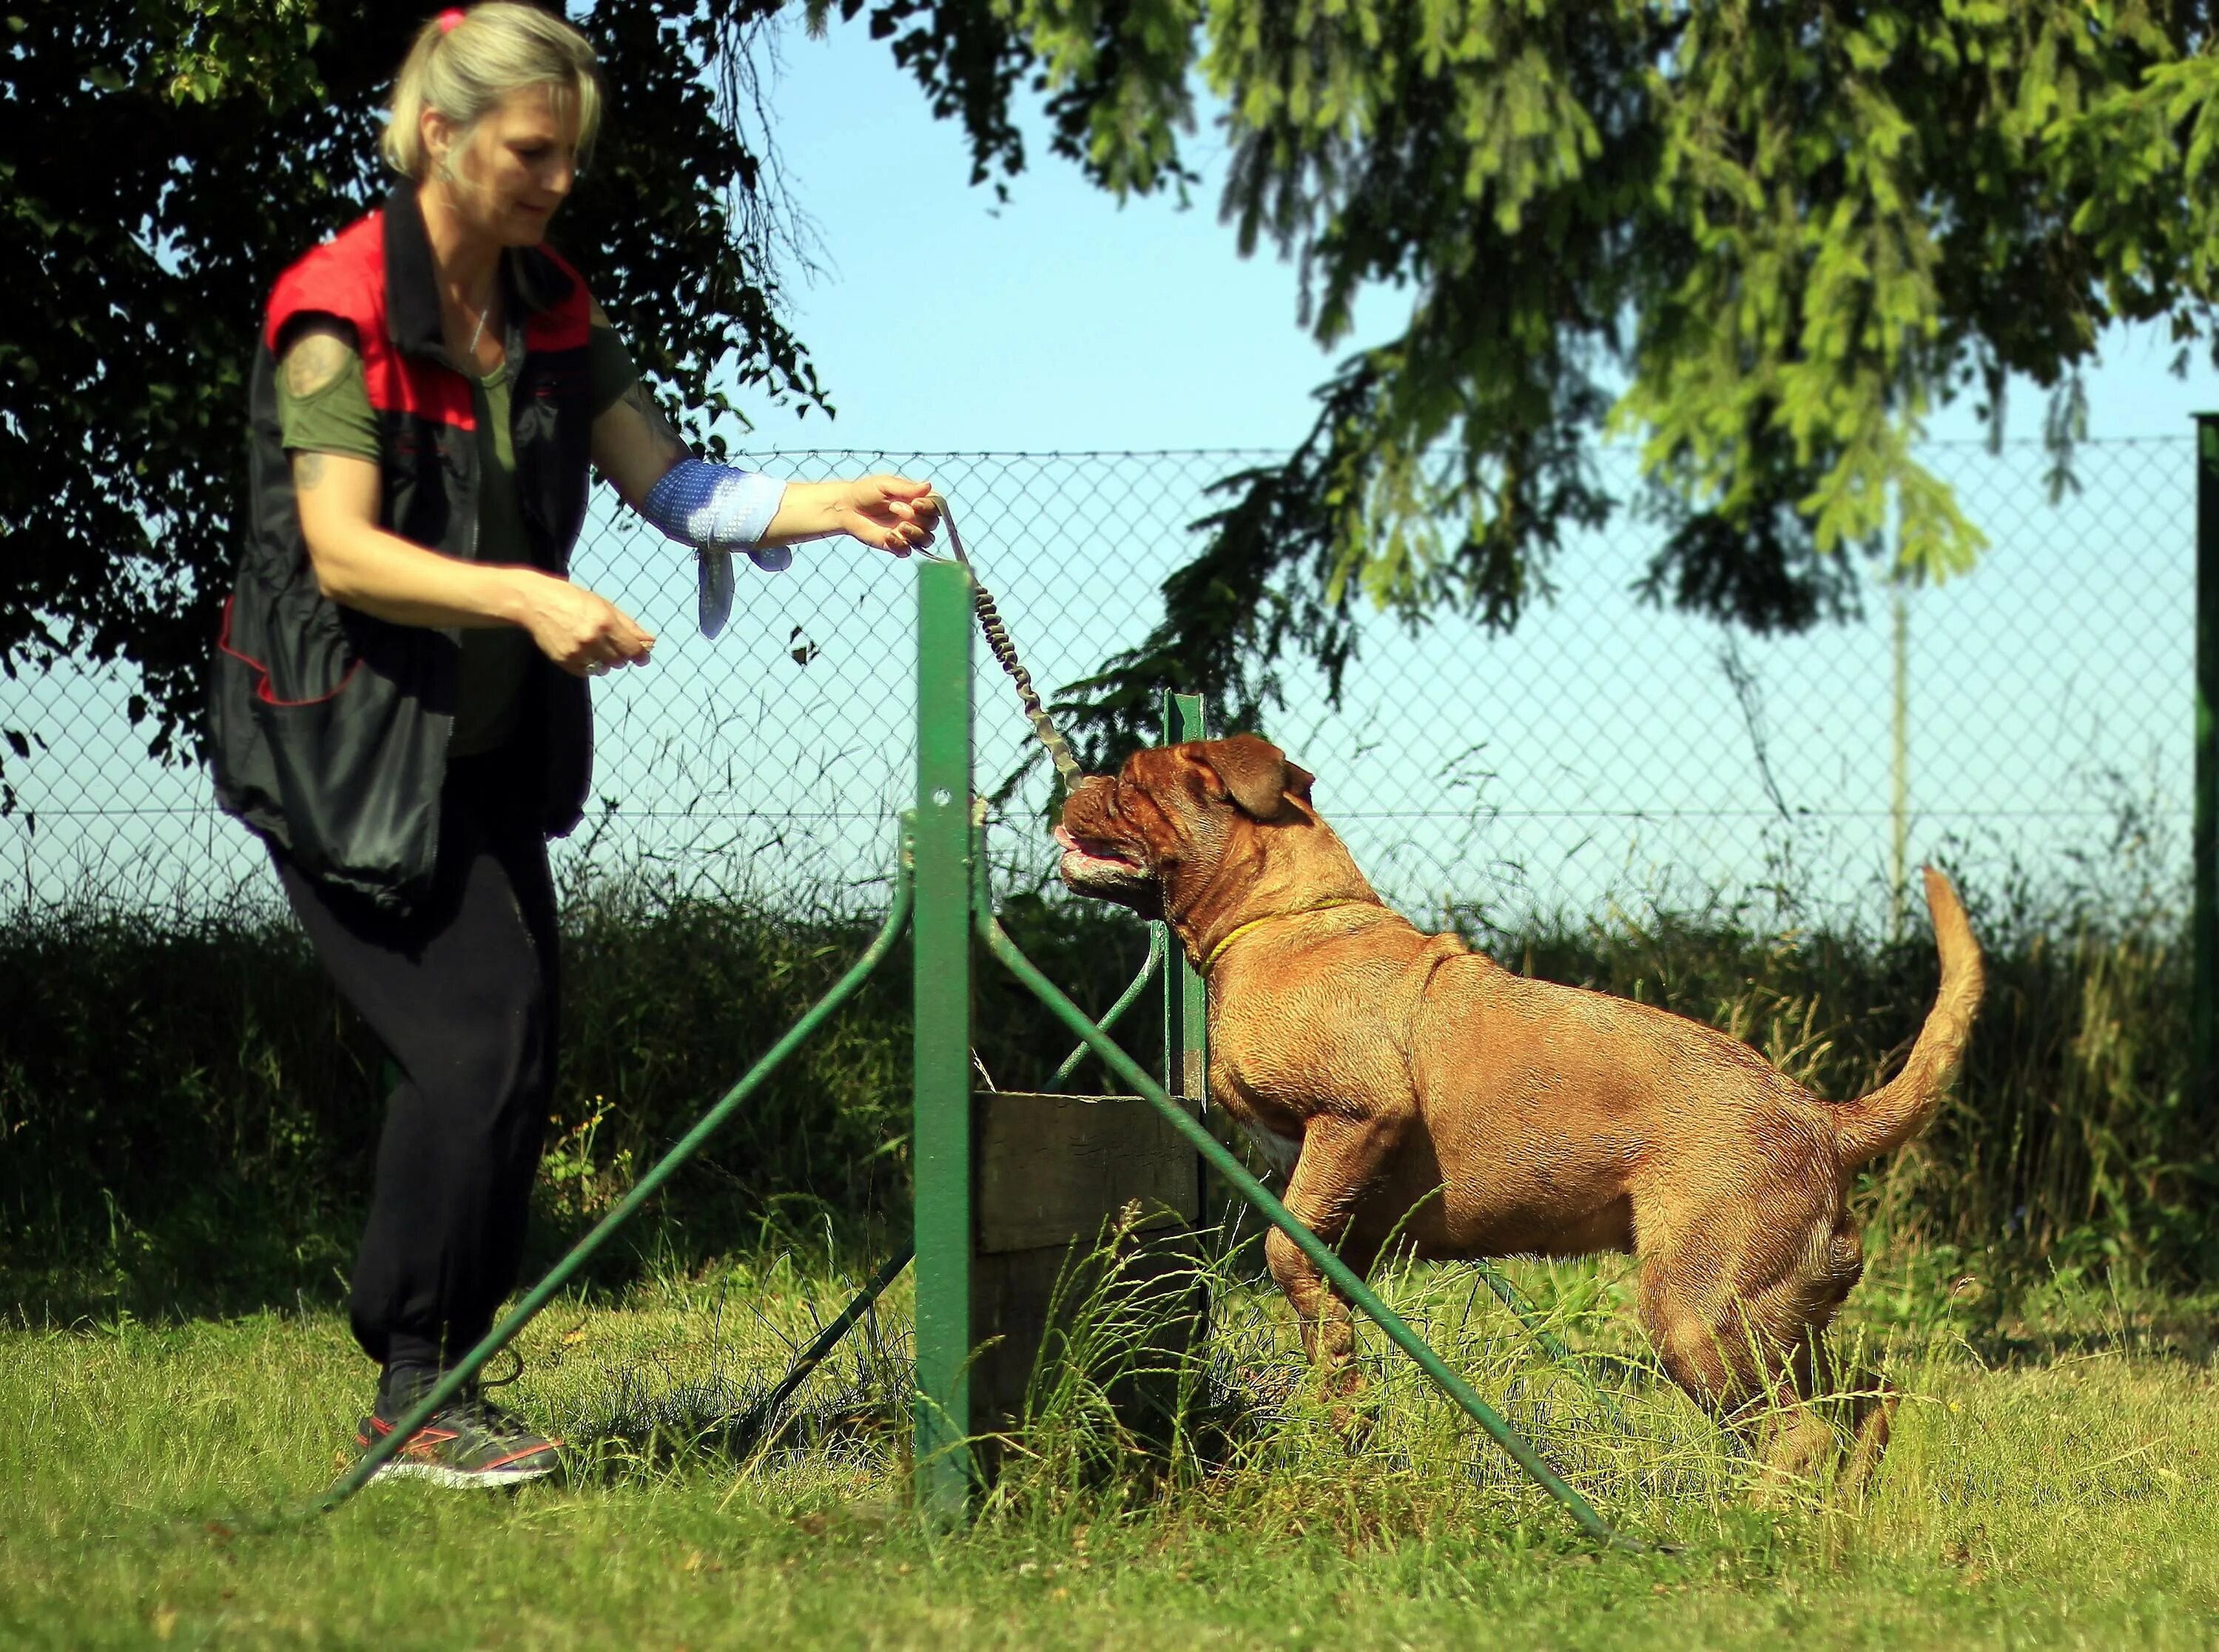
{"x": 2203, "y": 845}
{"x": 941, "y": 1130}
{"x": 1186, "y": 1000}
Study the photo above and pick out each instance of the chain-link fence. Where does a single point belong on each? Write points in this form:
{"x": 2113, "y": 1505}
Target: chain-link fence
{"x": 1604, "y": 752}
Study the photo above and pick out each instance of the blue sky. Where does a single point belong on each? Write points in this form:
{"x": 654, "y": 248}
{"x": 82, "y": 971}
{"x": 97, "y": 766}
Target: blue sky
{"x": 1063, "y": 322}
{"x": 1058, "y": 321}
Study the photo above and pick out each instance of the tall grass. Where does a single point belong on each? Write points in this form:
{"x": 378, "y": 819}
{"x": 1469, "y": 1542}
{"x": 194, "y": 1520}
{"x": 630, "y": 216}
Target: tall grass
{"x": 187, "y": 1113}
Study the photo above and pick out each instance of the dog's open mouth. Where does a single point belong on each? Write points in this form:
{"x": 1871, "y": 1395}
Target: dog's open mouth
{"x": 1083, "y": 856}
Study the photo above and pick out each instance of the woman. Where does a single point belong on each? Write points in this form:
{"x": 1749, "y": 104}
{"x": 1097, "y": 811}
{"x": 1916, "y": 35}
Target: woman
{"x": 401, "y": 707}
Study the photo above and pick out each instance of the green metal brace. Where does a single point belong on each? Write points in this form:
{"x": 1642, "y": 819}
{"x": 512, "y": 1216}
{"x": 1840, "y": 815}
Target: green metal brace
{"x": 758, "y": 1416}
{"x": 547, "y": 1289}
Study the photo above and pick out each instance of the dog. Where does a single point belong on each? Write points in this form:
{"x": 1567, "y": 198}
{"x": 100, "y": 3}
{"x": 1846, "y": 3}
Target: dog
{"x": 1412, "y": 1088}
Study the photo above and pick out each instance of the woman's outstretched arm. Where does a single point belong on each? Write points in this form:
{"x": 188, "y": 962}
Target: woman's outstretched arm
{"x": 718, "y": 507}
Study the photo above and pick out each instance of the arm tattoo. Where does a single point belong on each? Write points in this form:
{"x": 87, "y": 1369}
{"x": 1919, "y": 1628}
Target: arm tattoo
{"x": 308, "y": 471}
{"x": 668, "y": 444}
{"x": 315, "y": 360}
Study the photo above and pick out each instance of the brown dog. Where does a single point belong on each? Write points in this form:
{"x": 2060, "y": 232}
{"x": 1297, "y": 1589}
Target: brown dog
{"x": 1412, "y": 1088}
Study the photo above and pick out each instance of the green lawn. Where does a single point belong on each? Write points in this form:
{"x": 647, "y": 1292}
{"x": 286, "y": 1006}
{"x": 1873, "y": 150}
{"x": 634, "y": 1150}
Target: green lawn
{"x": 2053, "y": 1489}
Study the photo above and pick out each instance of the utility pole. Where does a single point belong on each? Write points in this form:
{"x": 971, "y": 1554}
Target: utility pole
{"x": 1898, "y": 787}
{"x": 2203, "y": 841}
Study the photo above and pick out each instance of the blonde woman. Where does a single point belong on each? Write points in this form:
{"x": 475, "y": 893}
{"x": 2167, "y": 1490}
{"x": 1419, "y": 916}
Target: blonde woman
{"x": 402, "y": 707}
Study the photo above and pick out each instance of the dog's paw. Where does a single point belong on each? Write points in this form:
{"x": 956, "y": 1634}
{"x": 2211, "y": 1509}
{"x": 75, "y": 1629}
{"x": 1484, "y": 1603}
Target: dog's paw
{"x": 1271, "y": 1388}
{"x": 1356, "y": 1424}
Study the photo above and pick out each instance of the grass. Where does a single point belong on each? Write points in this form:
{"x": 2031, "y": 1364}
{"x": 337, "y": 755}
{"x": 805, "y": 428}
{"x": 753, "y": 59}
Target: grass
{"x": 187, "y": 1115}
{"x": 2052, "y": 1483}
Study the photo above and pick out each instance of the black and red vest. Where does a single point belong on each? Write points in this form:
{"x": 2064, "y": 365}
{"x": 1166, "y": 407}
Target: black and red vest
{"x": 329, "y": 726}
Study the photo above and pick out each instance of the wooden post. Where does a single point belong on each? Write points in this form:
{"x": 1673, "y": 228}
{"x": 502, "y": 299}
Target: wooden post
{"x": 1052, "y": 1175}
{"x": 1056, "y": 1175}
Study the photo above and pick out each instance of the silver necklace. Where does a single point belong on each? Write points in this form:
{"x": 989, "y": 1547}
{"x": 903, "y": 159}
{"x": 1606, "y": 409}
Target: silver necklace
{"x": 478, "y": 331}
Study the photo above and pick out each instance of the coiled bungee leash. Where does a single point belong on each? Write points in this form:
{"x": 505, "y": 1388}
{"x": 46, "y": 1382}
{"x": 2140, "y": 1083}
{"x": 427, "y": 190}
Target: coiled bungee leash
{"x": 1005, "y": 651}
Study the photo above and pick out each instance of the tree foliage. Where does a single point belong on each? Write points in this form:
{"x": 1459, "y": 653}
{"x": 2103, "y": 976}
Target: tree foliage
{"x": 162, "y": 161}
{"x": 1764, "y": 239}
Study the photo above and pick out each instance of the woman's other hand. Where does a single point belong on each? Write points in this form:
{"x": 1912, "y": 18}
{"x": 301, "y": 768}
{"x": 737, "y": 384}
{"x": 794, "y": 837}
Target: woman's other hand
{"x": 586, "y": 635}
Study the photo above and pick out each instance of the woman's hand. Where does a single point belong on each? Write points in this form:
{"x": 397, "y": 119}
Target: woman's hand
{"x": 584, "y": 634}
{"x": 362, "y": 566}
{"x": 891, "y": 513}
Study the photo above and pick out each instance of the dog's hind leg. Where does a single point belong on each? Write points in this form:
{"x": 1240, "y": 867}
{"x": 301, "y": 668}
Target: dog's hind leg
{"x": 1717, "y": 1347}
{"x": 1860, "y": 1402}
{"x": 1698, "y": 1335}
{"x": 1837, "y": 1427}
{"x": 1340, "y": 1158}
{"x": 1745, "y": 1339}
{"x": 1842, "y": 1419}
{"x": 1872, "y": 1404}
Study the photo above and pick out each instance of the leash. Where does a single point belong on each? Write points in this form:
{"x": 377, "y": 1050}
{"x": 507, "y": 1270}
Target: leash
{"x": 1005, "y": 652}
{"x": 1058, "y": 749}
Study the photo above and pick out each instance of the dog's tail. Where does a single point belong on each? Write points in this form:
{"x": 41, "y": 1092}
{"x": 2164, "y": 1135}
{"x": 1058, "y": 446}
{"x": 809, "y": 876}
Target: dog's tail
{"x": 1898, "y": 1109}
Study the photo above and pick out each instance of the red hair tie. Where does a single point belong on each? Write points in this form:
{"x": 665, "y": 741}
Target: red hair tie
{"x": 448, "y": 18}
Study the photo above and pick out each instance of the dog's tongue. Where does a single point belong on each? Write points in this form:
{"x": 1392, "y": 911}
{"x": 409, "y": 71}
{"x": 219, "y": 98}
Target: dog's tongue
{"x": 1065, "y": 837}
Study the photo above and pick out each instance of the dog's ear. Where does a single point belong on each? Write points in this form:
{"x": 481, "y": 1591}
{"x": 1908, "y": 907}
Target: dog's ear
{"x": 1254, "y": 772}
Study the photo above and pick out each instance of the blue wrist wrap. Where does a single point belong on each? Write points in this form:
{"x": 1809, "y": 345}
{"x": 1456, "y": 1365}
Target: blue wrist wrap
{"x": 718, "y": 510}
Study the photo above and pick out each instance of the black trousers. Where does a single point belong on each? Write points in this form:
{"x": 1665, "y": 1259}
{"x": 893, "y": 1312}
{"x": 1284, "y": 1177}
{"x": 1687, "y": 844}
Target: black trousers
{"x": 463, "y": 992}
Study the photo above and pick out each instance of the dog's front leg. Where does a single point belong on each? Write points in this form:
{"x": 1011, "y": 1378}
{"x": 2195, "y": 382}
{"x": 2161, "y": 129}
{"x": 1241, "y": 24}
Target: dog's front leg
{"x": 1340, "y": 1159}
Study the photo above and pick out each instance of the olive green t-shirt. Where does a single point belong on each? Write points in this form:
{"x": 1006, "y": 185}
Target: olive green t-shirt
{"x": 337, "y": 418}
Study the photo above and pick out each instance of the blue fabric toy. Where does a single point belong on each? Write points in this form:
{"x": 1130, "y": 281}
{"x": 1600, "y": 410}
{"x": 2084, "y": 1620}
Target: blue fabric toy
{"x": 718, "y": 510}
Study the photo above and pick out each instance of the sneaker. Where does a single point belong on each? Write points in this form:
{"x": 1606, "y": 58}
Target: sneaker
{"x": 470, "y": 1441}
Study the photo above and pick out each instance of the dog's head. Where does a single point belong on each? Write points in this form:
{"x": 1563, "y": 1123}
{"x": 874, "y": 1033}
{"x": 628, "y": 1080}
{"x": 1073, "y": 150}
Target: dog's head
{"x": 1174, "y": 816}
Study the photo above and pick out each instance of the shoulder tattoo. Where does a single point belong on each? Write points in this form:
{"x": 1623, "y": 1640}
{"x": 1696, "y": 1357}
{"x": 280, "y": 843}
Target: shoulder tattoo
{"x": 308, "y": 471}
{"x": 315, "y": 360}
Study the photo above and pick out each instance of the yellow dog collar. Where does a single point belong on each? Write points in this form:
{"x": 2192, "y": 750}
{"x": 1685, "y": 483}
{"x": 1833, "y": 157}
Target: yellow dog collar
{"x": 1216, "y": 952}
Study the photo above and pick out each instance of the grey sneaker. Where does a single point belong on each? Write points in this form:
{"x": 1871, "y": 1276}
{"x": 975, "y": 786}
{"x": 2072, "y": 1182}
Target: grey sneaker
{"x": 470, "y": 1441}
